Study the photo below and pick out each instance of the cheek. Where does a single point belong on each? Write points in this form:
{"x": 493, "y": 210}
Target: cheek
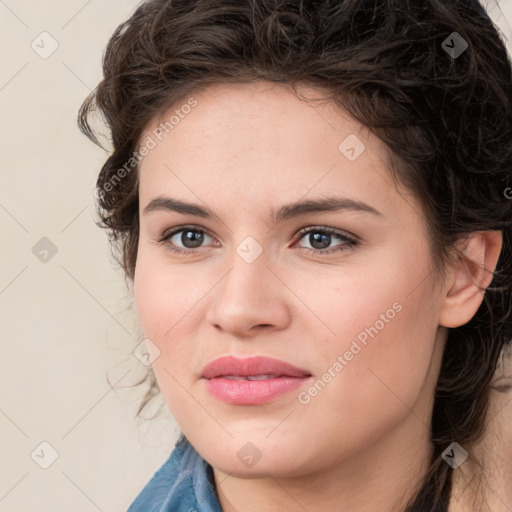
{"x": 150, "y": 301}
{"x": 162, "y": 302}
{"x": 163, "y": 294}
{"x": 170, "y": 309}
{"x": 382, "y": 378}
{"x": 383, "y": 327}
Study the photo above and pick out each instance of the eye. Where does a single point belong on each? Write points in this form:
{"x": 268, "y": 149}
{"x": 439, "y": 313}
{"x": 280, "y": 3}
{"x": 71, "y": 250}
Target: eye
{"x": 190, "y": 236}
{"x": 321, "y": 237}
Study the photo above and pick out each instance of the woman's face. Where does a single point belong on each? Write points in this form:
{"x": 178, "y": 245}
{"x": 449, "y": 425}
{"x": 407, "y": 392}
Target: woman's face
{"x": 354, "y": 310}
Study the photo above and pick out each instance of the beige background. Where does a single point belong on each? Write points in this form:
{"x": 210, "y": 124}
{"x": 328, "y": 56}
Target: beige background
{"x": 66, "y": 322}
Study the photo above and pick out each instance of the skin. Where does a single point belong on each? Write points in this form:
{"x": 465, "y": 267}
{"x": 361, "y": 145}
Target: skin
{"x": 363, "y": 440}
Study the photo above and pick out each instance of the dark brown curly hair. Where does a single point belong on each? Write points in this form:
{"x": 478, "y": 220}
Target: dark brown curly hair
{"x": 445, "y": 117}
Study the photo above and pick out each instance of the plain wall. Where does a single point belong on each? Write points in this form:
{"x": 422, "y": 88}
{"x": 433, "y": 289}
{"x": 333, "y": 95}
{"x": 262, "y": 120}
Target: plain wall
{"x": 66, "y": 321}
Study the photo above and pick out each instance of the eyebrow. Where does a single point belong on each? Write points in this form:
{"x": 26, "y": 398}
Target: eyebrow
{"x": 288, "y": 211}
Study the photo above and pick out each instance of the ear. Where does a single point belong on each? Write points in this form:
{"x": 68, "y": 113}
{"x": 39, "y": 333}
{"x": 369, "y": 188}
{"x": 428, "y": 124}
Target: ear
{"x": 467, "y": 279}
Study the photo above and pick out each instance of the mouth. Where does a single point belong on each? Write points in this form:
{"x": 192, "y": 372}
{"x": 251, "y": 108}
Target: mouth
{"x": 251, "y": 381}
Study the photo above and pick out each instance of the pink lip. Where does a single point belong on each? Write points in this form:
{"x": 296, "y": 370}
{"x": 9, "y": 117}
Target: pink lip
{"x": 285, "y": 377}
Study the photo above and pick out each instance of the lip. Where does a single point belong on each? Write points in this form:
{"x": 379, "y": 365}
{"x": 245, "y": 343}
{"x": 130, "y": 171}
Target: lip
{"x": 220, "y": 379}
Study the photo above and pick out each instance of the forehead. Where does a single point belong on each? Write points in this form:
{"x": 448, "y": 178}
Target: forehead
{"x": 263, "y": 109}
{"x": 263, "y": 142}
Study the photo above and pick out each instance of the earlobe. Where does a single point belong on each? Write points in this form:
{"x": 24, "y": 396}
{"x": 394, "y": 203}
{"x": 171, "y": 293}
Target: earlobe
{"x": 468, "y": 278}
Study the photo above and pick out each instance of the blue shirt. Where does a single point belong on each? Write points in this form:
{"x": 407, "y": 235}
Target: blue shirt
{"x": 184, "y": 483}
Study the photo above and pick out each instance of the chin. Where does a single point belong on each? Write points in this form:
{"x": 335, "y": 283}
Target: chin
{"x": 255, "y": 459}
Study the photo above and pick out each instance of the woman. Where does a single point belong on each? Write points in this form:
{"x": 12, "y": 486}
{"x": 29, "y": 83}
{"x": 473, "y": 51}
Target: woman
{"x": 310, "y": 199}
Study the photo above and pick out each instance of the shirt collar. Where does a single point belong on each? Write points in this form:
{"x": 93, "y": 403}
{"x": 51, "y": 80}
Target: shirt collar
{"x": 184, "y": 482}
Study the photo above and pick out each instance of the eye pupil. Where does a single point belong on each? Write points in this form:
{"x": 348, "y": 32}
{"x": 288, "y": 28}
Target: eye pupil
{"x": 317, "y": 237}
{"x": 195, "y": 238}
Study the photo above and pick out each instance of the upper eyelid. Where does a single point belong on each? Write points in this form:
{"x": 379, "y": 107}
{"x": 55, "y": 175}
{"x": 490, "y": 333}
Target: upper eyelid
{"x": 333, "y": 231}
{"x": 172, "y": 231}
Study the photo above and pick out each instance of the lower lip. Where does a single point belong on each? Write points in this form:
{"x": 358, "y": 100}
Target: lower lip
{"x": 252, "y": 392}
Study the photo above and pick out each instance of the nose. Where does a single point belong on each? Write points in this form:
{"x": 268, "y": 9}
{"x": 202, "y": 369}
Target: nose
{"x": 251, "y": 297}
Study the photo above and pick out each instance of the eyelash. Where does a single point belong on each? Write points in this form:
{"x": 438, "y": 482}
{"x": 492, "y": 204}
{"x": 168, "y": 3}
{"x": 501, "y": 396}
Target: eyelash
{"x": 349, "y": 241}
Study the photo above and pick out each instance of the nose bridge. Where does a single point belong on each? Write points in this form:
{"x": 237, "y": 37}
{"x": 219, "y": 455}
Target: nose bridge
{"x": 248, "y": 270}
{"x": 247, "y": 295}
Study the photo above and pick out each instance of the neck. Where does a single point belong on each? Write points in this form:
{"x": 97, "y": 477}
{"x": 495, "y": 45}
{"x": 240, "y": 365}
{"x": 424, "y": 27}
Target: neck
{"x": 482, "y": 482}
{"x": 385, "y": 477}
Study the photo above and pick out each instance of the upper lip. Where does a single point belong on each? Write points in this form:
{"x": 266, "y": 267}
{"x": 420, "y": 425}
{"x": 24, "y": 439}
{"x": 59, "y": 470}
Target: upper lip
{"x": 257, "y": 365}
